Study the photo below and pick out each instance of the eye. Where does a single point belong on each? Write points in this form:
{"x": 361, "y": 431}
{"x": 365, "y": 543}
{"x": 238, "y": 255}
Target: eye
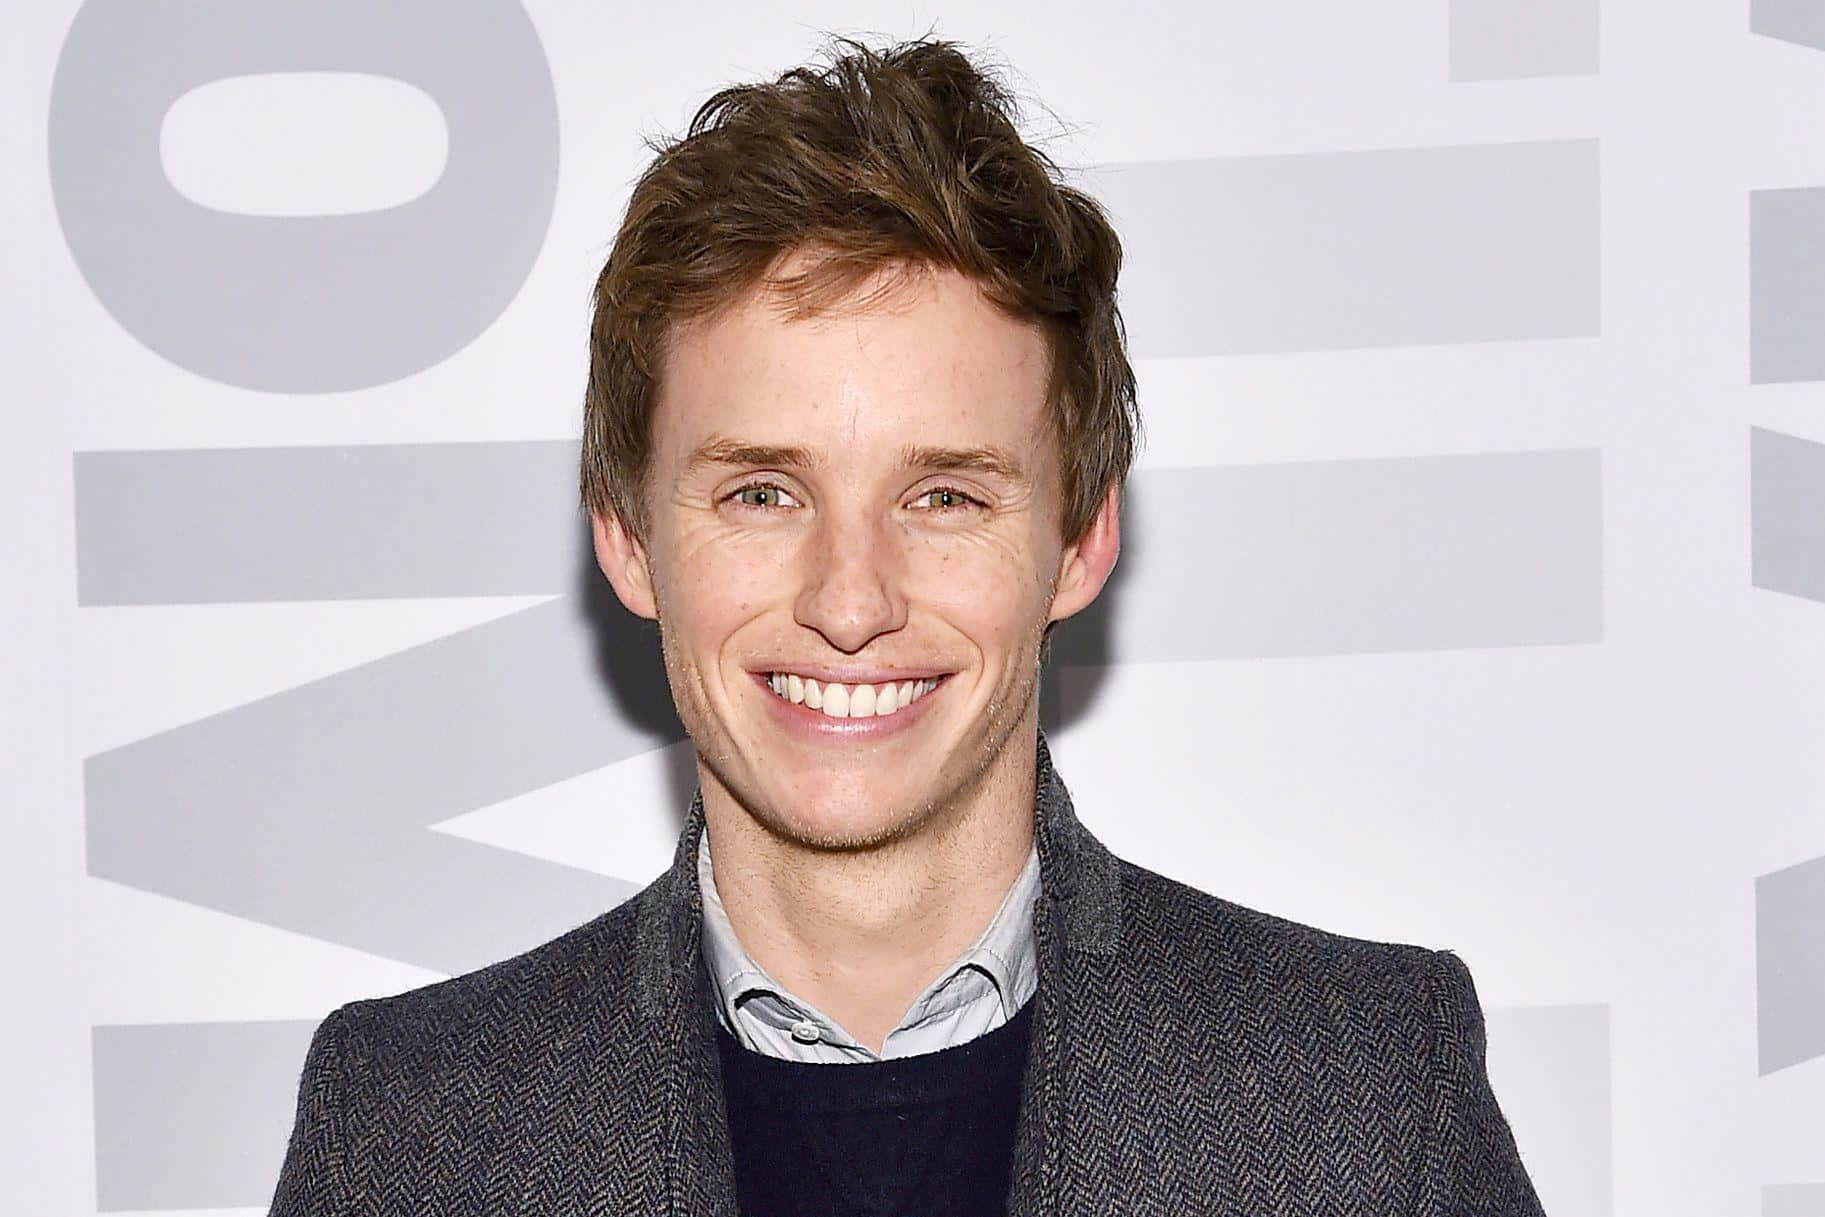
{"x": 763, "y": 495}
{"x": 943, "y": 498}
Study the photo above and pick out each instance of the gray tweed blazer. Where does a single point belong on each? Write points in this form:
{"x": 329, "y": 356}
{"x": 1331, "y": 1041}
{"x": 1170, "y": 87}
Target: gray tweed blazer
{"x": 1188, "y": 1056}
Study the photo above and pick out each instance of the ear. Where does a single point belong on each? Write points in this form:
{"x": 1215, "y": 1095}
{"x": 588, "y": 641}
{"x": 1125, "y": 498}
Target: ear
{"x": 622, "y": 557}
{"x": 1086, "y": 562}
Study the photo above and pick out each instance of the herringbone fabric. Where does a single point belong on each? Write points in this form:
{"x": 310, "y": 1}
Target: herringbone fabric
{"x": 1188, "y": 1056}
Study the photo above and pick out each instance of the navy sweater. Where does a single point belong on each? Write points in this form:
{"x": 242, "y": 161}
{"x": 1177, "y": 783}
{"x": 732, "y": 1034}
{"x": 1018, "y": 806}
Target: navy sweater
{"x": 931, "y": 1134}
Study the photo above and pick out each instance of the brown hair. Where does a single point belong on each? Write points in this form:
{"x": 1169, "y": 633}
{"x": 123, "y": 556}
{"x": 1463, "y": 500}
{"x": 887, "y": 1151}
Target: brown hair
{"x": 903, "y": 156}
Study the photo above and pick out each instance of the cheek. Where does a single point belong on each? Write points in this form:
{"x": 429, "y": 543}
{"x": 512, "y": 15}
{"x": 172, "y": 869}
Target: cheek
{"x": 989, "y": 587}
{"x": 708, "y": 586}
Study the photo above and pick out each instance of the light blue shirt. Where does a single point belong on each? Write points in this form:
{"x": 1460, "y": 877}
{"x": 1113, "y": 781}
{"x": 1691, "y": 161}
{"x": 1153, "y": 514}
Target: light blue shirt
{"x": 980, "y": 991}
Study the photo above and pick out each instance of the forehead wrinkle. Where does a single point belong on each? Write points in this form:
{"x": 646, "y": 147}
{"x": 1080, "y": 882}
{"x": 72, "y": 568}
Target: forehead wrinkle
{"x": 849, "y": 405}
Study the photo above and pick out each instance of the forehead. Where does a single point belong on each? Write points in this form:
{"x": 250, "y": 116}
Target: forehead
{"x": 910, "y": 357}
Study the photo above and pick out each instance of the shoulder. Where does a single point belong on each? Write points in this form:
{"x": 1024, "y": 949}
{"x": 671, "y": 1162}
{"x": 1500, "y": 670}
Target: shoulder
{"x": 1315, "y": 1047}
{"x": 1207, "y": 930}
{"x": 404, "y": 1098}
{"x": 1290, "y": 982}
{"x": 506, "y": 1012}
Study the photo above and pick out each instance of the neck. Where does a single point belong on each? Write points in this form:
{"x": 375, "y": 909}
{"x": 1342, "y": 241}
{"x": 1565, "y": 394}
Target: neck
{"x": 860, "y": 934}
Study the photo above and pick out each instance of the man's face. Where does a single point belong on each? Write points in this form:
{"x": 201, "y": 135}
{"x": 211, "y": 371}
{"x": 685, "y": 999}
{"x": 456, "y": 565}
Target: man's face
{"x": 853, "y": 550}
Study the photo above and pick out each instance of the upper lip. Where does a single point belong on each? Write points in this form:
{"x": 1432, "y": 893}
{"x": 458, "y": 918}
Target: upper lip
{"x": 877, "y": 676}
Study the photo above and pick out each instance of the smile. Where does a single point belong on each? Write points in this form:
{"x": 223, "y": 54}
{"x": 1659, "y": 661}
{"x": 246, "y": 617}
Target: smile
{"x": 835, "y": 700}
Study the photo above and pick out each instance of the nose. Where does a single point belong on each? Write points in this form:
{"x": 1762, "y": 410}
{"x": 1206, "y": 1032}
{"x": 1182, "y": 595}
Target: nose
{"x": 851, "y": 593}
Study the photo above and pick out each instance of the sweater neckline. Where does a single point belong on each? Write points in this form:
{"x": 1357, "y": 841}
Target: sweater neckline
{"x": 996, "y": 1057}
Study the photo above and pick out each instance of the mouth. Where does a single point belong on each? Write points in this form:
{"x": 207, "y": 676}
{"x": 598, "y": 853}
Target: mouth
{"x": 849, "y": 700}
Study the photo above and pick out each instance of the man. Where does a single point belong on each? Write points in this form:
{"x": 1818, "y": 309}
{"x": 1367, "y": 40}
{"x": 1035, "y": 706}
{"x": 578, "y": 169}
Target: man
{"x": 858, "y": 419}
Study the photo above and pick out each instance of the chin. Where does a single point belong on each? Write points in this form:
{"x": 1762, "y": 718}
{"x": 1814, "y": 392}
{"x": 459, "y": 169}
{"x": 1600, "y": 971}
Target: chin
{"x": 820, "y": 813}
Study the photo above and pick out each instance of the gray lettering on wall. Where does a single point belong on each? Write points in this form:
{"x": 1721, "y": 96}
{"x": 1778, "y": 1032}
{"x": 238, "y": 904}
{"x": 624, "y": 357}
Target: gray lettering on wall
{"x": 1787, "y": 527}
{"x": 311, "y": 304}
{"x": 1787, "y": 285}
{"x": 1800, "y": 21}
{"x": 252, "y": 524}
{"x": 1790, "y": 965}
{"x": 1246, "y": 255}
{"x": 1787, "y": 513}
{"x": 1335, "y": 557}
{"x": 193, "y": 1115}
{"x": 309, "y": 809}
{"x": 1510, "y": 39}
{"x": 1793, "y": 1200}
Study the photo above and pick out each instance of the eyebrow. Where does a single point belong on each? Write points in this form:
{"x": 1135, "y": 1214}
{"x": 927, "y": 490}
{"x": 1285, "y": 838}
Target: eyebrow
{"x": 992, "y": 461}
{"x": 721, "y": 450}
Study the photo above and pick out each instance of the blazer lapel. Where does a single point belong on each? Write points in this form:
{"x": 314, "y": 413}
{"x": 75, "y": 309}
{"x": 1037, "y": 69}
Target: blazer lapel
{"x": 1077, "y": 926}
{"x": 624, "y": 1113}
{"x": 697, "y": 1175}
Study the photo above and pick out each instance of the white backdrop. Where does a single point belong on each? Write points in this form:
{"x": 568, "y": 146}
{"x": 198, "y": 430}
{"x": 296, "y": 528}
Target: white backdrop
{"x": 1475, "y": 594}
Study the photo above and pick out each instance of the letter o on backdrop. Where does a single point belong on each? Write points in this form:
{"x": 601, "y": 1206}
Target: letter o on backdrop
{"x": 315, "y": 303}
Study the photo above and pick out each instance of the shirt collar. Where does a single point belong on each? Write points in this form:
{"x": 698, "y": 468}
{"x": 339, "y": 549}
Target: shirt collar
{"x": 1080, "y": 910}
{"x": 1004, "y": 952}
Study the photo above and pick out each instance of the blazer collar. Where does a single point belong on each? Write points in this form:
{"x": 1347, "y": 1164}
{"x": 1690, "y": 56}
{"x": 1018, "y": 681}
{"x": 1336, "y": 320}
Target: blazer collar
{"x": 1079, "y": 911}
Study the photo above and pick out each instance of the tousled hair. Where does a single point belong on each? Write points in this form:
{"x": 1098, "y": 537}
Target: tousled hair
{"x": 902, "y": 157}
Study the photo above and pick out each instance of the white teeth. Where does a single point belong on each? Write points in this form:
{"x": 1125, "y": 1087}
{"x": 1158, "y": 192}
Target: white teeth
{"x": 849, "y": 701}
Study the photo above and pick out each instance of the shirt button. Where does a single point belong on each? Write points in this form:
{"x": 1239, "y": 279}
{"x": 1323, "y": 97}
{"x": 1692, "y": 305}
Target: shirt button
{"x": 805, "y": 1031}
